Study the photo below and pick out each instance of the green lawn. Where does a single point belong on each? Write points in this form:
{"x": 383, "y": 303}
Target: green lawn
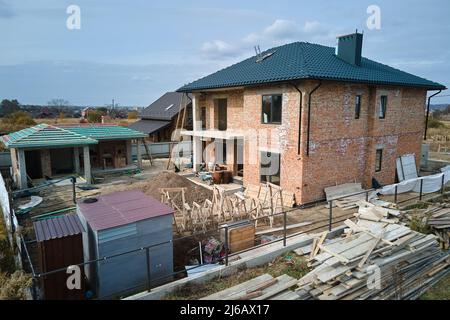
{"x": 440, "y": 291}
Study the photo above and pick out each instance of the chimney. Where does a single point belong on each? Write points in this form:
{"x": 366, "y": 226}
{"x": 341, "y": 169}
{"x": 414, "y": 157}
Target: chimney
{"x": 349, "y": 48}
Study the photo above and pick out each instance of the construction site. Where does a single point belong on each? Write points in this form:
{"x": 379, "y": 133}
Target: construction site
{"x": 303, "y": 172}
{"x": 235, "y": 242}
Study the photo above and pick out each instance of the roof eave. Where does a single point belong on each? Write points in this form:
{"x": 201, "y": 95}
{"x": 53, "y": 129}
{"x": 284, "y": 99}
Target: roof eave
{"x": 255, "y": 83}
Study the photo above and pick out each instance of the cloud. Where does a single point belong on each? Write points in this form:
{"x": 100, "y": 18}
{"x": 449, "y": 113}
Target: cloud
{"x": 220, "y": 49}
{"x": 279, "y": 32}
{"x": 6, "y": 11}
{"x": 89, "y": 83}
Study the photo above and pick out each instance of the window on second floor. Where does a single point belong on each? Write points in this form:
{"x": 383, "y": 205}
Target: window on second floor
{"x": 382, "y": 107}
{"x": 357, "y": 107}
{"x": 271, "y": 108}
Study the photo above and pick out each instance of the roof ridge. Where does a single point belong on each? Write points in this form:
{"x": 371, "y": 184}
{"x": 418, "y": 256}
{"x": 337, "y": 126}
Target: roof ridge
{"x": 74, "y": 133}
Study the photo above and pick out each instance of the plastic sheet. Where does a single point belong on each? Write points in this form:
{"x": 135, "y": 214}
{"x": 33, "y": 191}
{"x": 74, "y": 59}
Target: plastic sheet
{"x": 430, "y": 184}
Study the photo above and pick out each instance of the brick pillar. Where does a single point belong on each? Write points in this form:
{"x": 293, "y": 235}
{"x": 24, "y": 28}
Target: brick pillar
{"x": 129, "y": 154}
{"x": 46, "y": 164}
{"x": 22, "y": 170}
{"x": 196, "y": 142}
{"x": 139, "y": 153}
{"x": 76, "y": 159}
{"x": 87, "y": 165}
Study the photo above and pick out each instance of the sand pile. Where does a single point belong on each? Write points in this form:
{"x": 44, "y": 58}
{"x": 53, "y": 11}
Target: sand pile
{"x": 166, "y": 179}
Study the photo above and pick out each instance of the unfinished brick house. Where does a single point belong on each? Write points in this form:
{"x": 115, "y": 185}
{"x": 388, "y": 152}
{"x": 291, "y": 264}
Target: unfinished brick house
{"x": 320, "y": 116}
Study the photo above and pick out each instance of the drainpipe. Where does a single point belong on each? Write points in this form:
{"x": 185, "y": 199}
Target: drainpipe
{"x": 428, "y": 113}
{"x": 309, "y": 117}
{"x": 299, "y": 118}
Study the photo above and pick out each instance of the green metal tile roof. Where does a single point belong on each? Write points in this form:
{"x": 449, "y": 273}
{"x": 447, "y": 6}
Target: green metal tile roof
{"x": 105, "y": 131}
{"x": 301, "y": 60}
{"x": 44, "y": 135}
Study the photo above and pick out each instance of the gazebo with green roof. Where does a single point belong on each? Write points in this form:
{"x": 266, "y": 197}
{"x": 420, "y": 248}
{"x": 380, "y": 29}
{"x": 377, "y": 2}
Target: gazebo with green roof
{"x": 44, "y": 150}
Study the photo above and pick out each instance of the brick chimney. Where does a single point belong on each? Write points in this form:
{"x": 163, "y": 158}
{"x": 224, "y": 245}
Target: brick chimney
{"x": 349, "y": 48}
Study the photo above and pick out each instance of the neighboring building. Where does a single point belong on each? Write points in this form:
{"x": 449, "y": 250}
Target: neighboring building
{"x": 59, "y": 244}
{"x": 85, "y": 112}
{"x": 159, "y": 119}
{"x": 320, "y": 118}
{"x": 46, "y": 151}
{"x": 126, "y": 221}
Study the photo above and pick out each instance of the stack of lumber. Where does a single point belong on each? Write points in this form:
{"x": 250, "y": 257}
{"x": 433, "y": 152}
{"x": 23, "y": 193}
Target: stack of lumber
{"x": 438, "y": 218}
{"x": 343, "y": 195}
{"x": 264, "y": 287}
{"x": 371, "y": 212}
{"x": 377, "y": 259}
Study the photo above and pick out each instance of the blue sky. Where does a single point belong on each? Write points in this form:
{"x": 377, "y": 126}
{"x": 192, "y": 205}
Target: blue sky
{"x": 134, "y": 51}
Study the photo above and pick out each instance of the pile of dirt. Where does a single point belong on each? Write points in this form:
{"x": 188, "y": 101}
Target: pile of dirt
{"x": 166, "y": 179}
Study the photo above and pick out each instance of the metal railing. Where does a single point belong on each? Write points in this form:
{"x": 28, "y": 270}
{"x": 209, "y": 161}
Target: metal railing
{"x": 224, "y": 260}
{"x": 421, "y": 193}
{"x": 330, "y": 203}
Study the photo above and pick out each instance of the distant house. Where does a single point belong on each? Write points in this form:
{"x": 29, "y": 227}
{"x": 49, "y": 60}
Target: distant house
{"x": 85, "y": 112}
{"x": 158, "y": 120}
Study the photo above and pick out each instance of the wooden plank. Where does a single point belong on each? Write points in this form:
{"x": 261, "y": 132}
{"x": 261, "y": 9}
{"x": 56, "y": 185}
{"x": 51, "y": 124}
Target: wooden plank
{"x": 284, "y": 282}
{"x": 286, "y": 295}
{"x": 263, "y": 285}
{"x": 238, "y": 289}
{"x": 292, "y": 226}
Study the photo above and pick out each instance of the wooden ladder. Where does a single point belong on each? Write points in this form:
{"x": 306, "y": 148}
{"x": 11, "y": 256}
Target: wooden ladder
{"x": 147, "y": 151}
{"x": 181, "y": 119}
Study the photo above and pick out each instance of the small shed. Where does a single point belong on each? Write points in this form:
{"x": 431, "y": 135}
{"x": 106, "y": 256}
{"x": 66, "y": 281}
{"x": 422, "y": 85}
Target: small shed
{"x": 60, "y": 244}
{"x": 121, "y": 222}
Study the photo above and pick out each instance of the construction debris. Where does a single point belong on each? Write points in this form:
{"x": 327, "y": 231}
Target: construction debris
{"x": 377, "y": 259}
{"x": 264, "y": 287}
{"x": 439, "y": 221}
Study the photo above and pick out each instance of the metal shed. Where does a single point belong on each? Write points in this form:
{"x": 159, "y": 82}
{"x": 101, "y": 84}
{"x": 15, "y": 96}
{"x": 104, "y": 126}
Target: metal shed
{"x": 60, "y": 245}
{"x": 121, "y": 222}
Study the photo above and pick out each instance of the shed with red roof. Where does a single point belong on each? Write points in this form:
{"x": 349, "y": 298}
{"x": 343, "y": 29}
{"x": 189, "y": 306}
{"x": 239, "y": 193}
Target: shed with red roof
{"x": 123, "y": 227}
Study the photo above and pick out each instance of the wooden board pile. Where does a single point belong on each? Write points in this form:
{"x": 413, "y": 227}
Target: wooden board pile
{"x": 377, "y": 259}
{"x": 343, "y": 196}
{"x": 438, "y": 218}
{"x": 264, "y": 287}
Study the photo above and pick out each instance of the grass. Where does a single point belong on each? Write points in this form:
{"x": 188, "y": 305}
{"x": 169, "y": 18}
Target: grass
{"x": 440, "y": 291}
{"x": 13, "y": 283}
{"x": 7, "y": 262}
{"x": 290, "y": 264}
{"x": 419, "y": 205}
{"x": 417, "y": 224}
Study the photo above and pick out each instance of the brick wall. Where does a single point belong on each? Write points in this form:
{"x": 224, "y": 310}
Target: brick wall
{"x": 342, "y": 148}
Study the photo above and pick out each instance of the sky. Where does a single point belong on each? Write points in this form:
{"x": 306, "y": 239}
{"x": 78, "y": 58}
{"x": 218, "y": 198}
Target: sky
{"x": 133, "y": 51}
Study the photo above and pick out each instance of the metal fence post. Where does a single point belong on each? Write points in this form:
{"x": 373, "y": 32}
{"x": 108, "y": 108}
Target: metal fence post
{"x": 226, "y": 244}
{"x": 284, "y": 228}
{"x": 73, "y": 179}
{"x": 395, "y": 194}
{"x": 442, "y": 183}
{"x": 421, "y": 188}
{"x": 367, "y": 196}
{"x": 331, "y": 214}
{"x": 147, "y": 253}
